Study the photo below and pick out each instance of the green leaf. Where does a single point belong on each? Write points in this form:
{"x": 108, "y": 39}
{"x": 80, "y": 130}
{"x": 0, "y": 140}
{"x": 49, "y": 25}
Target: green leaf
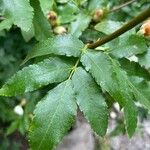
{"x": 62, "y": 1}
{"x": 128, "y": 45}
{"x": 106, "y": 74}
{"x": 29, "y": 34}
{"x": 130, "y": 114}
{"x": 46, "y": 5}
{"x": 54, "y": 116}
{"x": 80, "y": 24}
{"x": 134, "y": 69}
{"x": 67, "y": 12}
{"x": 19, "y": 12}
{"x": 90, "y": 101}
{"x": 141, "y": 91}
{"x": 58, "y": 45}
{"x": 42, "y": 28}
{"x": 35, "y": 76}
{"x": 108, "y": 26}
{"x": 112, "y": 79}
{"x": 95, "y": 4}
{"x": 6, "y": 24}
{"x": 144, "y": 59}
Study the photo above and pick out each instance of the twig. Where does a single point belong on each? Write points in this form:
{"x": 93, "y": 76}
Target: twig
{"x": 126, "y": 27}
{"x": 122, "y": 5}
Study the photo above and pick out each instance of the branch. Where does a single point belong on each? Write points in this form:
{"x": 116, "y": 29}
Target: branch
{"x": 126, "y": 27}
{"x": 121, "y": 6}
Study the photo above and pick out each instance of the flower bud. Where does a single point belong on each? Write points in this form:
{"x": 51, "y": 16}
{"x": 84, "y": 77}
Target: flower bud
{"x": 97, "y": 16}
{"x": 23, "y": 102}
{"x": 52, "y": 18}
{"x": 60, "y": 30}
{"x": 145, "y": 28}
{"x": 18, "y": 110}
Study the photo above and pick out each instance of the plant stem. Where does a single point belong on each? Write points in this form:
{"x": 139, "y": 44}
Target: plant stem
{"x": 74, "y": 68}
{"x": 126, "y": 27}
{"x": 122, "y": 5}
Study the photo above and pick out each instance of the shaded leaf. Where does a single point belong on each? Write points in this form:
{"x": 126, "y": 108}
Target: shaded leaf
{"x": 42, "y": 28}
{"x": 128, "y": 45}
{"x": 6, "y": 24}
{"x": 130, "y": 114}
{"x": 95, "y": 4}
{"x": 108, "y": 26}
{"x": 80, "y": 24}
{"x": 141, "y": 91}
{"x": 134, "y": 69}
{"x": 144, "y": 59}
{"x": 67, "y": 12}
{"x": 54, "y": 116}
{"x": 46, "y": 5}
{"x": 19, "y": 12}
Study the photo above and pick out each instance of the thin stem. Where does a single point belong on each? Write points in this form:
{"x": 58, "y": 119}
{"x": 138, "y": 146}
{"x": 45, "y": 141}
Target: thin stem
{"x": 116, "y": 8}
{"x": 126, "y": 27}
{"x": 74, "y": 68}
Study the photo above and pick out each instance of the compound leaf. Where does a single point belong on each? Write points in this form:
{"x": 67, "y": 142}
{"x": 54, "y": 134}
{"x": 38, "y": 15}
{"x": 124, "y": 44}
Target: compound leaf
{"x": 112, "y": 79}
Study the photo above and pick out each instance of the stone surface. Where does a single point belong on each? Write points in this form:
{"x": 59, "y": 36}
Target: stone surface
{"x": 80, "y": 138}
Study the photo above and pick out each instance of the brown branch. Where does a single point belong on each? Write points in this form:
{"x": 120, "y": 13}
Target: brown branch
{"x": 126, "y": 27}
{"x": 116, "y": 8}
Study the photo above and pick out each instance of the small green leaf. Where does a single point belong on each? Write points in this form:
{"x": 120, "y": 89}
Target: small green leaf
{"x": 46, "y": 5}
{"x": 128, "y": 45}
{"x": 134, "y": 69}
{"x": 80, "y": 24}
{"x": 29, "y": 34}
{"x": 62, "y": 1}
{"x": 95, "y": 4}
{"x": 58, "y": 45}
{"x": 19, "y": 12}
{"x": 54, "y": 116}
{"x": 141, "y": 91}
{"x": 108, "y": 26}
{"x": 6, "y": 24}
{"x": 130, "y": 114}
{"x": 144, "y": 59}
{"x": 42, "y": 28}
{"x": 66, "y": 12}
{"x": 35, "y": 76}
{"x": 90, "y": 101}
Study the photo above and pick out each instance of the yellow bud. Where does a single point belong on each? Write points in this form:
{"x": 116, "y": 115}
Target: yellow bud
{"x": 145, "y": 28}
{"x": 97, "y": 16}
{"x": 60, "y": 30}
